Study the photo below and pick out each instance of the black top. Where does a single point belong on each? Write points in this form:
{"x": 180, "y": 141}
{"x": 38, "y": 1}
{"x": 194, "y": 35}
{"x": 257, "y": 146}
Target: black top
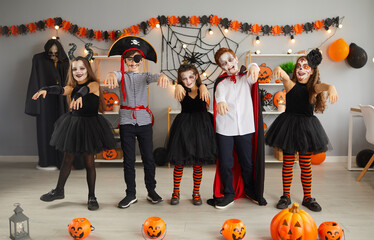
{"x": 196, "y": 104}
{"x": 90, "y": 103}
{"x": 297, "y": 100}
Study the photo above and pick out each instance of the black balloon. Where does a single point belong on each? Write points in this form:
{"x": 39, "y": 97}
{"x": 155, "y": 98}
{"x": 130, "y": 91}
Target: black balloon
{"x": 357, "y": 56}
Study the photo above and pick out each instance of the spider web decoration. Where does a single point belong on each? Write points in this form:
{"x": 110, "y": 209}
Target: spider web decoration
{"x": 181, "y": 45}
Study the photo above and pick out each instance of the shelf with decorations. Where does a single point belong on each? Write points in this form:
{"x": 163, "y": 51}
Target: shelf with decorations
{"x": 273, "y": 95}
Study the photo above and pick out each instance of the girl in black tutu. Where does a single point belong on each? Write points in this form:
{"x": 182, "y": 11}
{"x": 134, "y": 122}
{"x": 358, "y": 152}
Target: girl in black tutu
{"x": 81, "y": 131}
{"x": 192, "y": 138}
{"x": 297, "y": 129}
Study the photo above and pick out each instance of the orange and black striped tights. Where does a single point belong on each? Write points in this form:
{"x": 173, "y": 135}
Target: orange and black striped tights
{"x": 197, "y": 175}
{"x": 306, "y": 173}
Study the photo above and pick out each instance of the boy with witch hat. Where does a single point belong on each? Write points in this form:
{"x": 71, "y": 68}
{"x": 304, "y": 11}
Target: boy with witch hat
{"x": 136, "y": 119}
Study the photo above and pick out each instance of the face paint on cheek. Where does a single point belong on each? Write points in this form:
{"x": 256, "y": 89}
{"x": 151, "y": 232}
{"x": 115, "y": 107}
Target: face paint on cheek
{"x": 229, "y": 63}
{"x": 303, "y": 70}
{"x": 188, "y": 79}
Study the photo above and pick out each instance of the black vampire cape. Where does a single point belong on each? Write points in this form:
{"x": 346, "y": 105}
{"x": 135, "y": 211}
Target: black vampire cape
{"x": 48, "y": 110}
{"x": 257, "y": 155}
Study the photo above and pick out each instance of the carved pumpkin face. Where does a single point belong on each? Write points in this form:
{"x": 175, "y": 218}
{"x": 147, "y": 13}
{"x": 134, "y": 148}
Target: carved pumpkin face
{"x": 265, "y": 73}
{"x": 110, "y": 154}
{"x": 110, "y": 99}
{"x": 330, "y": 231}
{"x": 79, "y": 228}
{"x": 293, "y": 224}
{"x": 233, "y": 229}
{"x": 279, "y": 97}
{"x": 154, "y": 228}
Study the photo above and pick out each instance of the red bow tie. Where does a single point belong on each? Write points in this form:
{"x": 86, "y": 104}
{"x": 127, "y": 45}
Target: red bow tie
{"x": 233, "y": 78}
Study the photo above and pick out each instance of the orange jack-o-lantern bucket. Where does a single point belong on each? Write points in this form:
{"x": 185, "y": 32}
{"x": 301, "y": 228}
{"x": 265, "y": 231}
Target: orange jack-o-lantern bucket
{"x": 233, "y": 229}
{"x": 330, "y": 231}
{"x": 80, "y": 228}
{"x": 154, "y": 228}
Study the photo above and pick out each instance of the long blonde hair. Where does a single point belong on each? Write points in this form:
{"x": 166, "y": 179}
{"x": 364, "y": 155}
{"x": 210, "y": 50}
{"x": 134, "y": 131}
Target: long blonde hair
{"x": 91, "y": 77}
{"x": 318, "y": 100}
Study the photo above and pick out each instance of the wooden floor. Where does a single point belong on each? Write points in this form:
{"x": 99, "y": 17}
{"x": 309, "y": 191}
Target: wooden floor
{"x": 345, "y": 201}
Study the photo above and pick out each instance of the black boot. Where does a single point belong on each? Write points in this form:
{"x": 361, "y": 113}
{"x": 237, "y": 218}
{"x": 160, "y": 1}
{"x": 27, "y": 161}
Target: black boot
{"x": 53, "y": 195}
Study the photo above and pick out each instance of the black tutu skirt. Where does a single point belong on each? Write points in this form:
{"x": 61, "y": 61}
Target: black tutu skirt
{"x": 297, "y": 133}
{"x": 77, "y": 134}
{"x": 192, "y": 139}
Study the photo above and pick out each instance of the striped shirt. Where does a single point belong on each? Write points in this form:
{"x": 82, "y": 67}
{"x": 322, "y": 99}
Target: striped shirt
{"x": 136, "y": 85}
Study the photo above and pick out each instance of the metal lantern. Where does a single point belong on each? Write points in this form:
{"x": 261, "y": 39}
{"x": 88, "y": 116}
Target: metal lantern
{"x": 19, "y": 224}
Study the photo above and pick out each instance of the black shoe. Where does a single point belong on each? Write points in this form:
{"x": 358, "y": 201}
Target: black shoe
{"x": 154, "y": 197}
{"x": 127, "y": 201}
{"x": 175, "y": 198}
{"x": 312, "y": 204}
{"x": 196, "y": 199}
{"x": 283, "y": 202}
{"x": 92, "y": 204}
{"x": 224, "y": 202}
{"x": 52, "y": 195}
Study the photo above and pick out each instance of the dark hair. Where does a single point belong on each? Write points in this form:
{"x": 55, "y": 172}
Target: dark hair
{"x": 317, "y": 99}
{"x": 187, "y": 67}
{"x": 129, "y": 53}
{"x": 220, "y": 52}
{"x": 91, "y": 77}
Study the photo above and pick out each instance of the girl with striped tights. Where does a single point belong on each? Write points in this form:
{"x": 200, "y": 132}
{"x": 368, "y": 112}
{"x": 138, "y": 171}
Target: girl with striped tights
{"x": 297, "y": 130}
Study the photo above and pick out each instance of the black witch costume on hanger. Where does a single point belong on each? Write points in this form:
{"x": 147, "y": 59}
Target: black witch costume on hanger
{"x": 47, "y": 72}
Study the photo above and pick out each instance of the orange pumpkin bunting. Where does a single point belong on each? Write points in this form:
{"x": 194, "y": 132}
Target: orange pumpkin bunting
{"x": 98, "y": 35}
{"x": 318, "y": 158}
{"x": 265, "y": 73}
{"x": 82, "y": 32}
{"x": 66, "y": 25}
{"x": 173, "y": 20}
{"x": 135, "y": 29}
{"x": 31, "y": 27}
{"x": 112, "y": 35}
{"x": 50, "y": 22}
{"x": 154, "y": 228}
{"x": 110, "y": 99}
{"x": 235, "y": 25}
{"x": 194, "y": 20}
{"x": 233, "y": 229}
{"x": 110, "y": 154}
{"x": 153, "y": 22}
{"x": 318, "y": 25}
{"x": 80, "y": 228}
{"x": 14, "y": 30}
{"x": 276, "y": 30}
{"x": 297, "y": 29}
{"x": 330, "y": 231}
{"x": 293, "y": 223}
{"x": 279, "y": 96}
{"x": 215, "y": 20}
{"x": 255, "y": 29}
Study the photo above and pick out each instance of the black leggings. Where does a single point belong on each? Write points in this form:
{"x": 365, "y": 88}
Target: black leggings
{"x": 89, "y": 162}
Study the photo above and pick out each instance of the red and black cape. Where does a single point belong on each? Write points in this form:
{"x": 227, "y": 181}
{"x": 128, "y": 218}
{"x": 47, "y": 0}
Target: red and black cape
{"x": 258, "y": 156}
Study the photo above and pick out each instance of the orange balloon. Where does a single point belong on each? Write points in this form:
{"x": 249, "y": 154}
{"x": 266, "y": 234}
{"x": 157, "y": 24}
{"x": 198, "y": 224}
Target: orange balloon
{"x": 318, "y": 158}
{"x": 338, "y": 50}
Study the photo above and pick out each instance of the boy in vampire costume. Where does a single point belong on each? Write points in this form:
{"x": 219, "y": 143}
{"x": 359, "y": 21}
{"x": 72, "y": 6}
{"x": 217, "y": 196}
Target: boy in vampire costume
{"x": 239, "y": 132}
{"x": 48, "y": 68}
{"x": 136, "y": 119}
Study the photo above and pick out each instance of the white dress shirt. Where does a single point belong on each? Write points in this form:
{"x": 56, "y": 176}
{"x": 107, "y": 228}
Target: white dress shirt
{"x": 239, "y": 119}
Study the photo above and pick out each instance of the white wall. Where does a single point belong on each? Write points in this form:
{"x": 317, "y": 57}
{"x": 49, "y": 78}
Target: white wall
{"x": 18, "y": 131}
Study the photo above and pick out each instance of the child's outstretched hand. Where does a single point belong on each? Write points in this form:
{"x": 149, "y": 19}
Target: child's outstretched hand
{"x": 204, "y": 93}
{"x": 76, "y": 104}
{"x": 163, "y": 81}
{"x": 253, "y": 71}
{"x": 111, "y": 80}
{"x": 179, "y": 92}
{"x": 332, "y": 94}
{"x": 278, "y": 73}
{"x": 39, "y": 93}
{"x": 222, "y": 108}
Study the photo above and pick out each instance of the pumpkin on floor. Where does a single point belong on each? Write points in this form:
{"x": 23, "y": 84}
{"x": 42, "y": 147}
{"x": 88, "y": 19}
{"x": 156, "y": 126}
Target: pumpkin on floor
{"x": 233, "y": 229}
{"x": 154, "y": 228}
{"x": 80, "y": 228}
{"x": 318, "y": 158}
{"x": 293, "y": 223}
{"x": 330, "y": 231}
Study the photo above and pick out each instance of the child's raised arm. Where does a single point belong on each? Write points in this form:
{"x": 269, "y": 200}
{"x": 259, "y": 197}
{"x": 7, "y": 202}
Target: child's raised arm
{"x": 332, "y": 94}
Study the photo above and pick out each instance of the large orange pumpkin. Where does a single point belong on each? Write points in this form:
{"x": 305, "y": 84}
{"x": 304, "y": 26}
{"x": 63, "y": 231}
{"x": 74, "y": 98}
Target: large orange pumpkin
{"x": 338, "y": 50}
{"x": 154, "y": 228}
{"x": 80, "y": 228}
{"x": 265, "y": 73}
{"x": 279, "y": 97}
{"x": 233, "y": 229}
{"x": 293, "y": 224}
{"x": 110, "y": 99}
{"x": 330, "y": 231}
{"x": 318, "y": 158}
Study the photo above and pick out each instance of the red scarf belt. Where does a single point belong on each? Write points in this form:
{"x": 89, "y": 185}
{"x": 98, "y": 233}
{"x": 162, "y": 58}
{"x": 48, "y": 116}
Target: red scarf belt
{"x": 139, "y": 107}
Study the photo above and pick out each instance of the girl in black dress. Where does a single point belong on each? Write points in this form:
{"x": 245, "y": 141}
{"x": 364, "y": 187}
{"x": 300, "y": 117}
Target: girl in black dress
{"x": 297, "y": 129}
{"x": 81, "y": 131}
{"x": 192, "y": 138}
